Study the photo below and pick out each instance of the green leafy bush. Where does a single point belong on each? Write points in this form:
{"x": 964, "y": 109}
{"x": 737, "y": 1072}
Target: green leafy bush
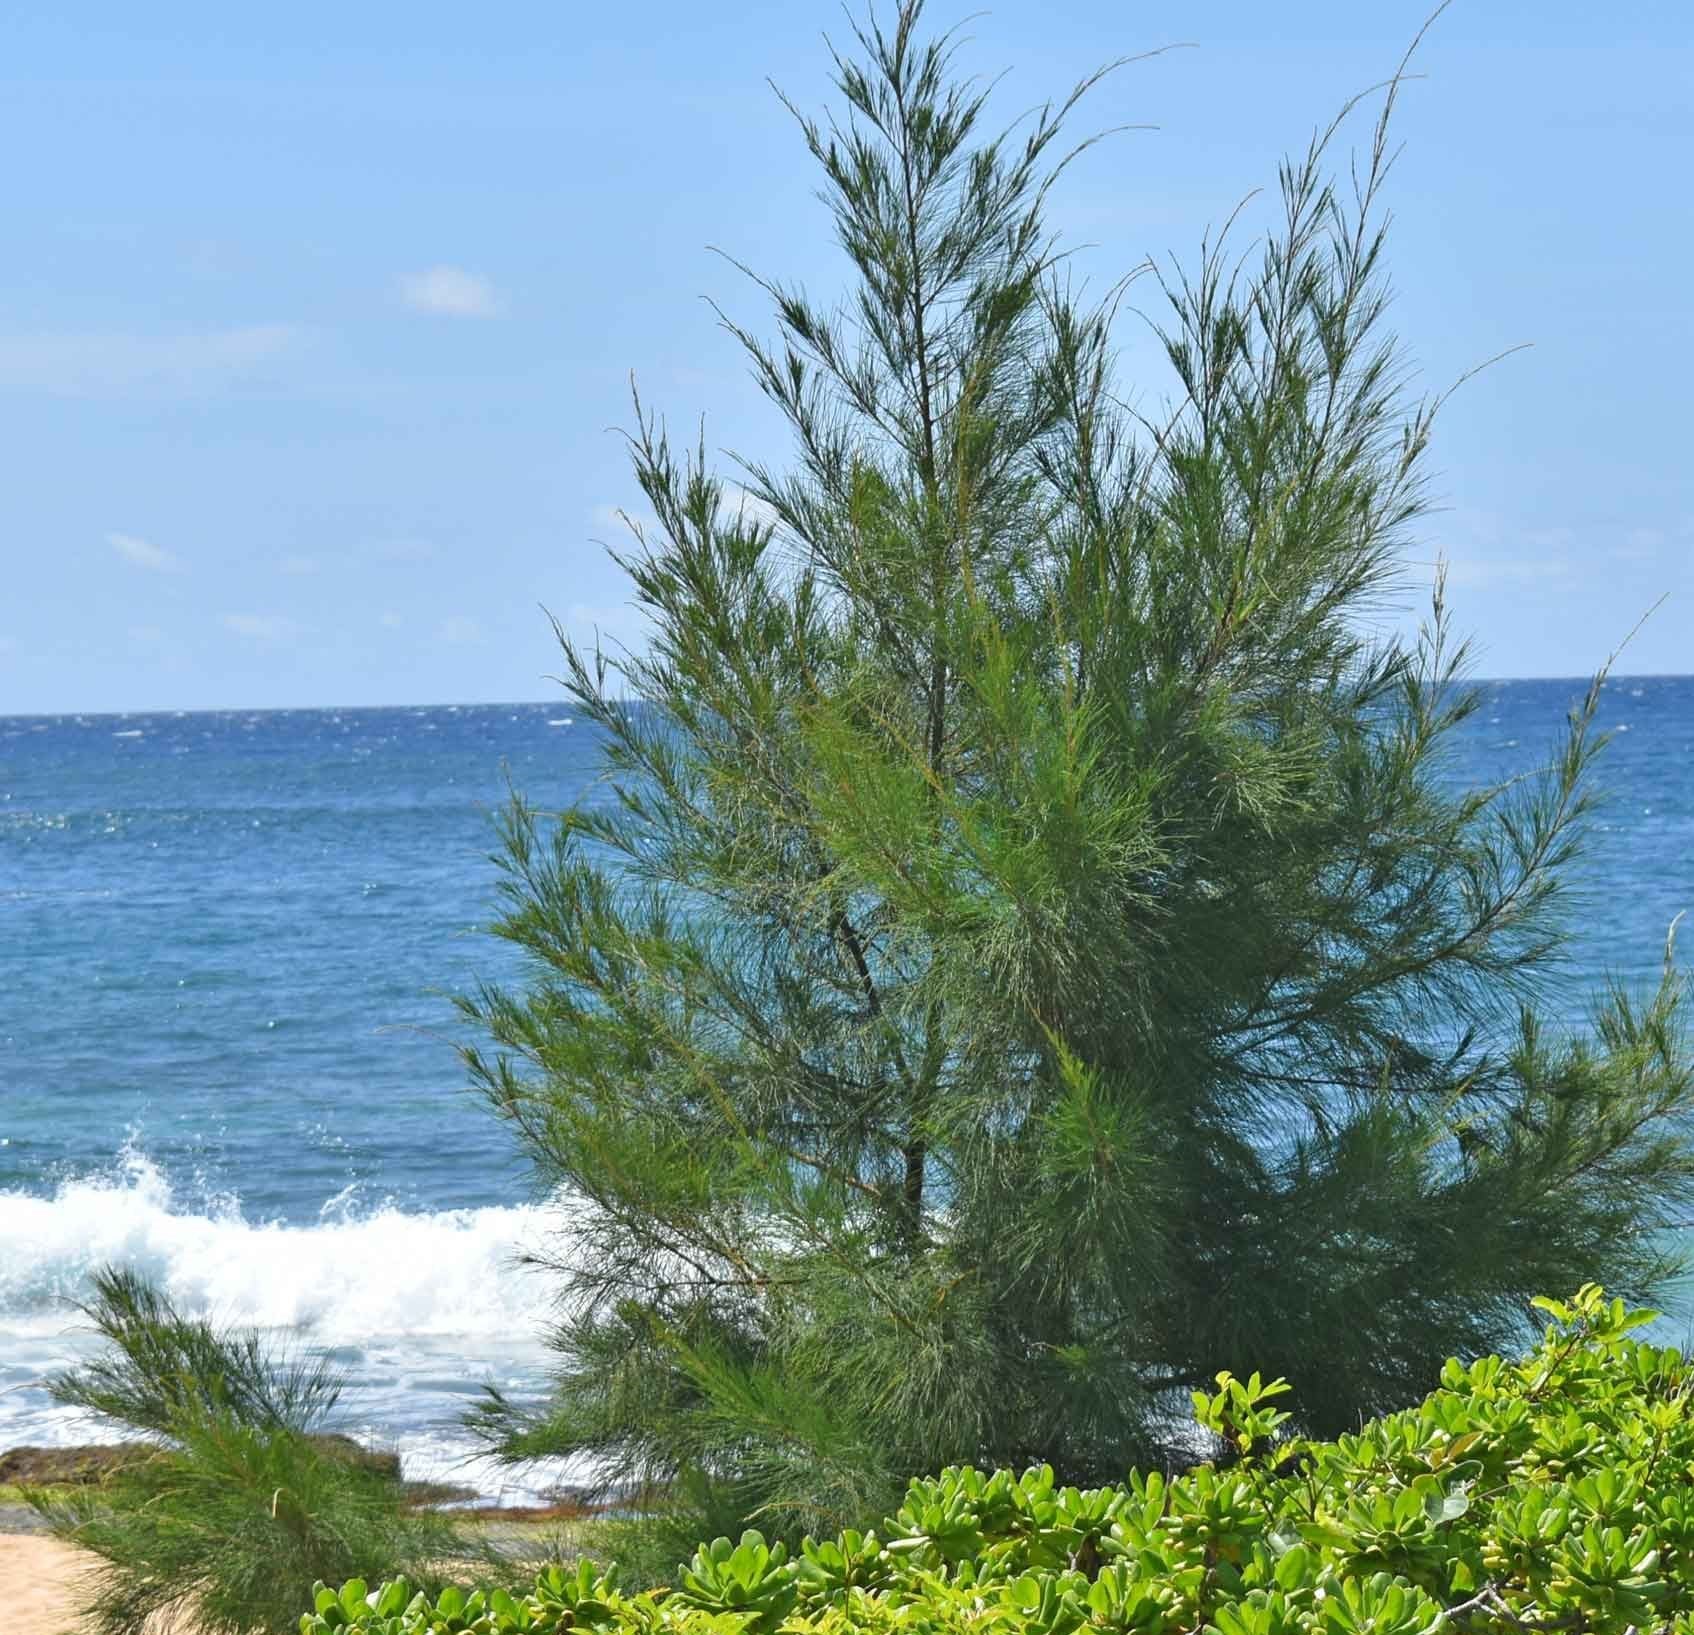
{"x": 1555, "y": 1493}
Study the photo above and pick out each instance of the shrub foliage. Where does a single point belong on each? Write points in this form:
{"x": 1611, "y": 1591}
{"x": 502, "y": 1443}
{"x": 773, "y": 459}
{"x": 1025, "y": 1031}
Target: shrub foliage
{"x": 1551, "y": 1494}
{"x": 1032, "y": 954}
{"x": 236, "y": 1501}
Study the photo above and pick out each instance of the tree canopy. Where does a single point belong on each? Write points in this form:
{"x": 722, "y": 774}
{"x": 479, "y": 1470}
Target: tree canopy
{"x": 1033, "y": 954}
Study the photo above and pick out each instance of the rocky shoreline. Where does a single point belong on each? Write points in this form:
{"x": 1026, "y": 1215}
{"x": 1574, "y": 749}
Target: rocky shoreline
{"x": 59, "y": 1467}
{"x": 91, "y": 1464}
{"x": 54, "y": 1467}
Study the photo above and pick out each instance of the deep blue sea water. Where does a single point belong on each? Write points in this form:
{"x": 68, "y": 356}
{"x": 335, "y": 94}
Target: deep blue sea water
{"x": 226, "y": 1050}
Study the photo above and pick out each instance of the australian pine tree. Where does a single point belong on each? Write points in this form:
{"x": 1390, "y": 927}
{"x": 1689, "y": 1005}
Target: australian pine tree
{"x": 1029, "y": 950}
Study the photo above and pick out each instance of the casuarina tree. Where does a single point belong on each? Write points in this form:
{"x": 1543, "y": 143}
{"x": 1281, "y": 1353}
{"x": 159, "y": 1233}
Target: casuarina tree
{"x": 1030, "y": 950}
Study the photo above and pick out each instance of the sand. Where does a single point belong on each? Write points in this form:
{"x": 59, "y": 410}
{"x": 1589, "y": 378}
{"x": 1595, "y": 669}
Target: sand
{"x": 37, "y": 1578}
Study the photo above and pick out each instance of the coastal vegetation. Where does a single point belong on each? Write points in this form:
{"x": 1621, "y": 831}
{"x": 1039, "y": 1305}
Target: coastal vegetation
{"x": 1034, "y": 956}
{"x": 1540, "y": 1495}
{"x": 233, "y": 1500}
{"x": 1035, "y": 1000}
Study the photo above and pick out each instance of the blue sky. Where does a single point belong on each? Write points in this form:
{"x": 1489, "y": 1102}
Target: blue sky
{"x": 314, "y": 320}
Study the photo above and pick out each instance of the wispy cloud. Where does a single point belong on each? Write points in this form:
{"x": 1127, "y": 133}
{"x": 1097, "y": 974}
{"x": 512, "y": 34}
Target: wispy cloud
{"x": 269, "y": 628}
{"x": 613, "y": 625}
{"x": 1486, "y": 551}
{"x": 1641, "y": 545}
{"x": 144, "y": 554}
{"x": 8, "y": 644}
{"x": 1486, "y": 573}
{"x": 450, "y": 292}
{"x": 744, "y": 503}
{"x": 298, "y": 564}
{"x": 390, "y": 621}
{"x": 460, "y": 631}
{"x": 90, "y": 364}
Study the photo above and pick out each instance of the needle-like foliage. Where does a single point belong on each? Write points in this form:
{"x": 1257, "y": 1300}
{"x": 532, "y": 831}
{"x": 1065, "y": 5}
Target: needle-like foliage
{"x": 1036, "y": 956}
{"x": 236, "y": 1501}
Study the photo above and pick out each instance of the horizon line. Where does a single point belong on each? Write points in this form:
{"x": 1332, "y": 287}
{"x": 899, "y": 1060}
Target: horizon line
{"x": 1577, "y": 679}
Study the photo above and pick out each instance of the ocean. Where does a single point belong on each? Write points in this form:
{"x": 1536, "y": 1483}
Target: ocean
{"x": 227, "y": 942}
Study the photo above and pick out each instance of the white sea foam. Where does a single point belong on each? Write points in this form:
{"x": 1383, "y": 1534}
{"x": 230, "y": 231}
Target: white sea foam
{"x": 418, "y": 1310}
{"x": 348, "y": 1277}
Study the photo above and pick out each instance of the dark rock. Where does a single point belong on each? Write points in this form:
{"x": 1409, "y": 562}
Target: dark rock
{"x": 48, "y": 1467}
{"x": 375, "y": 1460}
{"x": 19, "y": 1518}
{"x": 436, "y": 1495}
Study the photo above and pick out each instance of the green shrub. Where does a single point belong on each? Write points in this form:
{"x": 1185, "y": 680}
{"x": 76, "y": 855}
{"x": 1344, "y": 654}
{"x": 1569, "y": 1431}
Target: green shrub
{"x": 239, "y": 1502}
{"x": 1555, "y": 1493}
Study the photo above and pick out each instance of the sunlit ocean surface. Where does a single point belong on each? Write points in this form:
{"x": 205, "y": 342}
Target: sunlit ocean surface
{"x": 226, "y": 1050}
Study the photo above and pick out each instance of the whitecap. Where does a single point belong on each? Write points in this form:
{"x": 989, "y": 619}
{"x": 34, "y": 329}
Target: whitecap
{"x": 349, "y": 1278}
{"x": 417, "y": 1308}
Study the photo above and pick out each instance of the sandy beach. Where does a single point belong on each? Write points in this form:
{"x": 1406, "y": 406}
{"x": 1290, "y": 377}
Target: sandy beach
{"x": 37, "y": 1584}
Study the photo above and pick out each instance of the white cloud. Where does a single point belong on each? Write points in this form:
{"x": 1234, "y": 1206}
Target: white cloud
{"x": 460, "y": 631}
{"x": 1486, "y": 551}
{"x": 86, "y": 364}
{"x": 1640, "y": 545}
{"x": 450, "y": 292}
{"x": 738, "y": 501}
{"x": 298, "y": 564}
{"x": 143, "y": 554}
{"x": 390, "y": 621}
{"x": 612, "y": 625}
{"x": 1482, "y": 573}
{"x": 261, "y": 627}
